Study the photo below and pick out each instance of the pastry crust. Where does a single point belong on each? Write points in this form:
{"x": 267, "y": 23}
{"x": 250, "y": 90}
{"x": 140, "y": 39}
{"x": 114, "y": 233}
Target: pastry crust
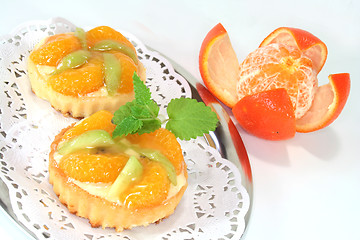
{"x": 78, "y": 107}
{"x": 100, "y": 211}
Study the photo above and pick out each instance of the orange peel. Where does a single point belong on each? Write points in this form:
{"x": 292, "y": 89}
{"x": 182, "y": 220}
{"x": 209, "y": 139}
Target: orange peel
{"x": 219, "y": 66}
{"x": 268, "y": 114}
{"x": 328, "y": 103}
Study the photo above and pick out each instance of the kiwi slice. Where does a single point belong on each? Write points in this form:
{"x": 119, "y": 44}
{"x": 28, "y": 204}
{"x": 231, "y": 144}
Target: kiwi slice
{"x": 157, "y": 156}
{"x": 131, "y": 172}
{"x": 112, "y": 73}
{"x": 107, "y": 45}
{"x": 89, "y": 139}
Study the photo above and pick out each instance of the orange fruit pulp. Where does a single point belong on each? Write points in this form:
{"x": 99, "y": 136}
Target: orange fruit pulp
{"x": 104, "y": 167}
{"x": 89, "y": 77}
{"x": 279, "y": 66}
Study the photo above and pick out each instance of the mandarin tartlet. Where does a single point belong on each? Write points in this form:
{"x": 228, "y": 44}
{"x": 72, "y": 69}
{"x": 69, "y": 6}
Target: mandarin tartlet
{"x": 80, "y": 73}
{"x": 119, "y": 182}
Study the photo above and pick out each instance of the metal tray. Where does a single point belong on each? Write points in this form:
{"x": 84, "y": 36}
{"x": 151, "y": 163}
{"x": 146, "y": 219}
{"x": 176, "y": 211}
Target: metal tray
{"x": 225, "y": 139}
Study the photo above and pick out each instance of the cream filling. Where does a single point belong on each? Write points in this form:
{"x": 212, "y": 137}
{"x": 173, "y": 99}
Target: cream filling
{"x": 102, "y": 189}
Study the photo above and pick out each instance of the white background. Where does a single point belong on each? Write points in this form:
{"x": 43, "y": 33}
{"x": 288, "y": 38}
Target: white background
{"x": 307, "y": 187}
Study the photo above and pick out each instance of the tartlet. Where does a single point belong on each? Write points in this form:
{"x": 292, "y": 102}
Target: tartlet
{"x": 83, "y": 88}
{"x": 91, "y": 189}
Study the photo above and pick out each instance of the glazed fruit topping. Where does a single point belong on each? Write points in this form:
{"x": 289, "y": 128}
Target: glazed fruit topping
{"x": 131, "y": 172}
{"x": 72, "y": 60}
{"x": 107, "y": 45}
{"x": 112, "y": 73}
{"x": 89, "y": 139}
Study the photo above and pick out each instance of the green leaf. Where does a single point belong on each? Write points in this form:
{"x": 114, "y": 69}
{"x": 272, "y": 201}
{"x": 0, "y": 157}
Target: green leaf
{"x": 122, "y": 113}
{"x": 189, "y": 118}
{"x": 149, "y": 126}
{"x": 141, "y": 111}
{"x": 150, "y": 110}
{"x": 142, "y": 93}
{"x": 153, "y": 107}
{"x": 128, "y": 125}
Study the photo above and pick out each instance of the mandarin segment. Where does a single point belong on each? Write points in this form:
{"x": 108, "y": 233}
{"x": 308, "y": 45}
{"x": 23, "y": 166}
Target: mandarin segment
{"x": 86, "y": 167}
{"x": 164, "y": 141}
{"x": 105, "y": 33}
{"x": 98, "y": 120}
{"x": 279, "y": 66}
{"x": 80, "y": 81}
{"x": 151, "y": 190}
{"x": 54, "y": 49}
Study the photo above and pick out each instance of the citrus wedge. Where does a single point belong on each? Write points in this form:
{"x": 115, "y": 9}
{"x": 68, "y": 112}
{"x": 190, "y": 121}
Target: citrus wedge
{"x": 309, "y": 44}
{"x": 268, "y": 114}
{"x": 219, "y": 66}
{"x": 328, "y": 103}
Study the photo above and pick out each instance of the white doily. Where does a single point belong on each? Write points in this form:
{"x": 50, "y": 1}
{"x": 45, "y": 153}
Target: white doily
{"x": 213, "y": 206}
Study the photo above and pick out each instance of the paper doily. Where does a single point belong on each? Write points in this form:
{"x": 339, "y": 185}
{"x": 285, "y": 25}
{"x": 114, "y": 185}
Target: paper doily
{"x": 214, "y": 204}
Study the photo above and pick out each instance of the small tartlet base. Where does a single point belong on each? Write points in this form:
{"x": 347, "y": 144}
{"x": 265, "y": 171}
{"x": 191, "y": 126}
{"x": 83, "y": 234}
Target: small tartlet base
{"x": 77, "y": 107}
{"x": 100, "y": 211}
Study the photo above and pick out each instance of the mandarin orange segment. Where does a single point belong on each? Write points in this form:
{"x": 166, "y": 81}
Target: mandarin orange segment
{"x": 98, "y": 120}
{"x": 164, "y": 141}
{"x": 279, "y": 66}
{"x": 54, "y": 49}
{"x": 151, "y": 190}
{"x": 105, "y": 33}
{"x": 86, "y": 167}
{"x": 79, "y": 81}
{"x": 128, "y": 67}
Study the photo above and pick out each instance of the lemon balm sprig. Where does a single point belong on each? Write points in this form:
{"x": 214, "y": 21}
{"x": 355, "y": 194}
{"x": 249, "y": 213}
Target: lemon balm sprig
{"x": 187, "y": 118}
